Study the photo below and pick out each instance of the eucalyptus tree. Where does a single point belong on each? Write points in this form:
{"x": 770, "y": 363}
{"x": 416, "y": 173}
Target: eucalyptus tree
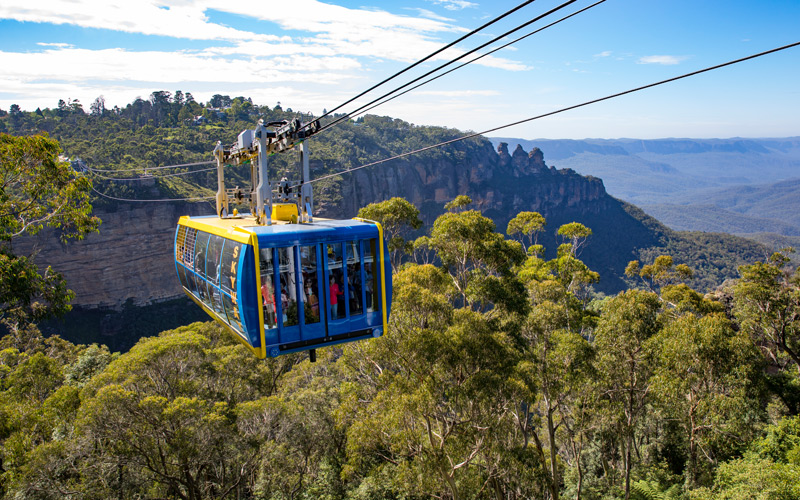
{"x": 767, "y": 305}
{"x": 706, "y": 380}
{"x": 556, "y": 367}
{"x": 429, "y": 401}
{"x": 625, "y": 364}
{"x": 528, "y": 225}
{"x": 479, "y": 260}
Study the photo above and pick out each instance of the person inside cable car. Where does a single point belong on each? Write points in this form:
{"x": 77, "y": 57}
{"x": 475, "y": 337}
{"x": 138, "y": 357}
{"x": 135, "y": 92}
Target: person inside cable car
{"x": 313, "y": 303}
{"x": 269, "y": 302}
{"x": 334, "y": 288}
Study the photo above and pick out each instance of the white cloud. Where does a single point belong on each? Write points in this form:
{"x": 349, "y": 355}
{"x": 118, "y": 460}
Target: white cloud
{"x": 664, "y": 60}
{"x": 331, "y": 30}
{"x": 168, "y": 67}
{"x": 454, "y": 4}
{"x": 149, "y": 17}
{"x": 59, "y": 45}
{"x": 429, "y": 14}
{"x": 605, "y": 53}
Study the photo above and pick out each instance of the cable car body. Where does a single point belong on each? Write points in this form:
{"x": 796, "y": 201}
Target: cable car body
{"x": 286, "y": 287}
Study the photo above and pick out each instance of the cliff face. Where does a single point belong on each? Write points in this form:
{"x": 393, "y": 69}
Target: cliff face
{"x": 500, "y": 185}
{"x": 131, "y": 258}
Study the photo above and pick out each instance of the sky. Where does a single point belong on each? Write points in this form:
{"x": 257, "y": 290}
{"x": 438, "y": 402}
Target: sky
{"x": 313, "y": 55}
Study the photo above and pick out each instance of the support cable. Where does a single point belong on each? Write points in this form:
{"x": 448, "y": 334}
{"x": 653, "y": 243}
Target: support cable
{"x": 209, "y": 162}
{"x": 593, "y": 101}
{"x": 493, "y": 40}
{"x": 195, "y": 198}
{"x": 432, "y": 54}
{"x": 146, "y": 178}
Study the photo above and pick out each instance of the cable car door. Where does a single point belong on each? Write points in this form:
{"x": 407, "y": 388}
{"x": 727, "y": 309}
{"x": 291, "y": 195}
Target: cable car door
{"x": 311, "y": 300}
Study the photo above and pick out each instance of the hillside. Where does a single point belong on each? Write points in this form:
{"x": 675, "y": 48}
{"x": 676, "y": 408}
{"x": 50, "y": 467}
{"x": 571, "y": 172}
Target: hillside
{"x": 708, "y": 217}
{"x": 130, "y": 262}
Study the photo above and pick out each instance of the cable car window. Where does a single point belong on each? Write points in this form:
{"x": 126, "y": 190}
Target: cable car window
{"x": 191, "y": 282}
{"x": 308, "y": 261}
{"x": 200, "y": 264}
{"x": 228, "y": 279}
{"x": 188, "y": 247}
{"x": 371, "y": 276}
{"x": 268, "y": 288}
{"x": 182, "y": 275}
{"x": 288, "y": 286}
{"x": 335, "y": 281}
{"x": 354, "y": 286}
{"x": 213, "y": 272}
{"x": 180, "y": 243}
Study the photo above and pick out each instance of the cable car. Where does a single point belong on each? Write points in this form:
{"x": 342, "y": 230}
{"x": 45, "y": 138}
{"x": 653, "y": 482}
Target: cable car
{"x": 286, "y": 287}
{"x": 288, "y": 282}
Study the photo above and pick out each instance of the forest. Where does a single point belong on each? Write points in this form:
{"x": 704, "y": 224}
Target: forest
{"x": 502, "y": 375}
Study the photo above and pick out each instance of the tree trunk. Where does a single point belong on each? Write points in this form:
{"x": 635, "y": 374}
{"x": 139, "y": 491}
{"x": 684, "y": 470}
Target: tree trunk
{"x": 628, "y": 445}
{"x": 553, "y": 456}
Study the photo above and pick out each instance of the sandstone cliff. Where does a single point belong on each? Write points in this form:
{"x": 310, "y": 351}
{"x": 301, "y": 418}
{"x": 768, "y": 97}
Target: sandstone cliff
{"x": 130, "y": 259}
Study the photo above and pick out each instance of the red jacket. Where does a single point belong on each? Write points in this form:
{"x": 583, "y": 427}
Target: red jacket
{"x": 334, "y": 292}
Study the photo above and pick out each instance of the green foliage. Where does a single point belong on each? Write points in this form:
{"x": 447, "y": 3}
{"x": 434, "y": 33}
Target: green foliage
{"x": 458, "y": 203}
{"x": 397, "y": 217}
{"x": 28, "y": 295}
{"x": 707, "y": 378}
{"x": 38, "y": 190}
{"x": 473, "y": 253}
{"x": 652, "y": 490}
{"x": 528, "y": 225}
{"x": 753, "y": 478}
{"x": 576, "y": 233}
{"x": 767, "y": 304}
{"x": 713, "y": 257}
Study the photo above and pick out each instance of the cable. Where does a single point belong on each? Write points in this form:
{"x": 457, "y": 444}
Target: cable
{"x": 462, "y": 38}
{"x": 537, "y": 18}
{"x": 473, "y": 60}
{"x": 94, "y": 172}
{"x": 209, "y": 162}
{"x": 594, "y": 101}
{"x": 197, "y": 198}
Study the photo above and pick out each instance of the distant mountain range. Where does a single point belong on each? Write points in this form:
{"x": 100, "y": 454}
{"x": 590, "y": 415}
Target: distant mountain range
{"x": 748, "y": 187}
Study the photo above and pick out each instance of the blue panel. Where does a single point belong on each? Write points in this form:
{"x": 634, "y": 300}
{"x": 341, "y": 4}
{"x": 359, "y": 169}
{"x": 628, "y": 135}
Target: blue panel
{"x": 247, "y": 296}
{"x": 387, "y": 271}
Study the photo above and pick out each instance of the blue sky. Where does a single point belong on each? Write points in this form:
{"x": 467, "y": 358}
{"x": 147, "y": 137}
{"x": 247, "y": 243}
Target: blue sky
{"x": 312, "y": 55}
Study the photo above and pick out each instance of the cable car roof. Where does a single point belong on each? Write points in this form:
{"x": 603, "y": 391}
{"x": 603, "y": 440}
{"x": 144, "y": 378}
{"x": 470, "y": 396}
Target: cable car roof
{"x": 244, "y": 228}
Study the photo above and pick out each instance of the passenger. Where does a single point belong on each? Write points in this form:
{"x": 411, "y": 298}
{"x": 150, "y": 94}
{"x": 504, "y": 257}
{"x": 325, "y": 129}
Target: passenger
{"x": 313, "y": 301}
{"x": 269, "y": 303}
{"x": 284, "y": 305}
{"x": 369, "y": 290}
{"x": 334, "y": 298}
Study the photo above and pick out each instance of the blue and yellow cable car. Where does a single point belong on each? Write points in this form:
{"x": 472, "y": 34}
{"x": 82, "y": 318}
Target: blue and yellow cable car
{"x": 286, "y": 287}
{"x": 278, "y": 279}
